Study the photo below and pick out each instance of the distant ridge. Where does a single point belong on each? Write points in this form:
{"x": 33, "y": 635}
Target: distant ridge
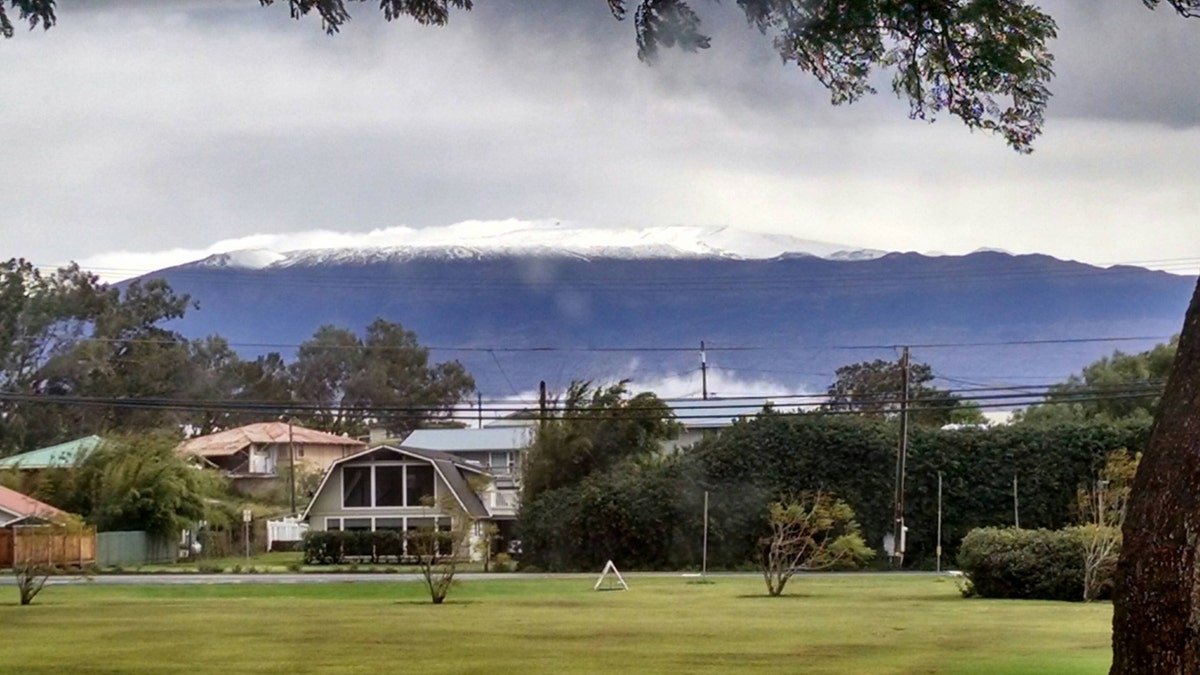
{"x": 783, "y": 321}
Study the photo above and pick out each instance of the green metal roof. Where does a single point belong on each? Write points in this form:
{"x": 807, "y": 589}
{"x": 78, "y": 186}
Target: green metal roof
{"x": 61, "y": 455}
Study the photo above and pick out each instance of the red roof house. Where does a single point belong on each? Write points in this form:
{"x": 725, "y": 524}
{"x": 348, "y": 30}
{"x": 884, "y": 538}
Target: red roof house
{"x": 17, "y": 508}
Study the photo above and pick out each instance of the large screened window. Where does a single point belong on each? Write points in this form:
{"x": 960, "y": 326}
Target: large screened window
{"x": 418, "y": 485}
{"x": 356, "y": 486}
{"x": 389, "y": 486}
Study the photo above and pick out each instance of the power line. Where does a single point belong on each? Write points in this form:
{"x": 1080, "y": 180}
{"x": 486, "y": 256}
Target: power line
{"x": 691, "y": 410}
{"x": 632, "y": 348}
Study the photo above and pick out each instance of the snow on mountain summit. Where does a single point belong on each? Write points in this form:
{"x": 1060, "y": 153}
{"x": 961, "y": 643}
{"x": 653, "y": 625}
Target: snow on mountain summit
{"x": 474, "y": 239}
{"x": 249, "y": 258}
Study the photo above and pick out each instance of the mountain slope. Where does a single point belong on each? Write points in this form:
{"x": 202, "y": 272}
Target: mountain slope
{"x": 785, "y": 322}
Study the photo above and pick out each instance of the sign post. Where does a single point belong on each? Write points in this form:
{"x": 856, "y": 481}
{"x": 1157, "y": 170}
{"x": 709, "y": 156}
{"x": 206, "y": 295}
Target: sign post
{"x": 246, "y": 518}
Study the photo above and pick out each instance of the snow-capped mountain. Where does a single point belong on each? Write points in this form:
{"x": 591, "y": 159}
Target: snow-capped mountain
{"x": 482, "y": 239}
{"x": 516, "y": 306}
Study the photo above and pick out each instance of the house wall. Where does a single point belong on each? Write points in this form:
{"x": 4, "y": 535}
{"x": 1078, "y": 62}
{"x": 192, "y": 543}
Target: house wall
{"x": 317, "y": 457}
{"x": 320, "y": 457}
{"x": 6, "y": 517}
{"x": 328, "y": 503}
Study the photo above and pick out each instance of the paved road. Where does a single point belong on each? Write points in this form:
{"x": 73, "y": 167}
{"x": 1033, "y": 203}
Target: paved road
{"x": 173, "y": 579}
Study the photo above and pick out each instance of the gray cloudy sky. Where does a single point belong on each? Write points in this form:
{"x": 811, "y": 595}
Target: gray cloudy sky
{"x": 146, "y": 126}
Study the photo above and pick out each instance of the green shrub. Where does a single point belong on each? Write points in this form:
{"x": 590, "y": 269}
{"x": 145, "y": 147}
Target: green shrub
{"x": 1029, "y": 564}
{"x": 322, "y": 548}
{"x": 336, "y": 548}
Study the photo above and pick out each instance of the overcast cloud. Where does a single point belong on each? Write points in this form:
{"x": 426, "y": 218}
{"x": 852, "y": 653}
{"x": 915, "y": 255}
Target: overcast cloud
{"x": 147, "y": 126}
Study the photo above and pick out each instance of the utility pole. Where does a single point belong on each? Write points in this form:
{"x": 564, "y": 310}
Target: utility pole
{"x": 1016, "y": 505}
{"x": 704, "y": 554}
{"x": 479, "y": 407}
{"x": 291, "y": 465}
{"x": 1101, "y": 517}
{"x": 939, "y": 536}
{"x": 898, "y": 533}
{"x": 703, "y": 372}
{"x": 542, "y": 403}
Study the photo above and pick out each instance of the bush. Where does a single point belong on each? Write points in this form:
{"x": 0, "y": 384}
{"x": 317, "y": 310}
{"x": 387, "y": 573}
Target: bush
{"x": 324, "y": 548}
{"x": 334, "y": 548}
{"x": 1027, "y": 564}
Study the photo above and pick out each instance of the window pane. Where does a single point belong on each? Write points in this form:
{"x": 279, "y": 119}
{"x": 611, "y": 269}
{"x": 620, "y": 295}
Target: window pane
{"x": 389, "y": 523}
{"x": 356, "y": 486}
{"x": 419, "y": 486}
{"x": 357, "y": 524}
{"x": 333, "y": 524}
{"x": 389, "y": 486}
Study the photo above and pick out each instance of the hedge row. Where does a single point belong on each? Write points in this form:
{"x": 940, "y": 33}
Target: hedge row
{"x": 379, "y": 546}
{"x": 650, "y": 516}
{"x": 1025, "y": 564}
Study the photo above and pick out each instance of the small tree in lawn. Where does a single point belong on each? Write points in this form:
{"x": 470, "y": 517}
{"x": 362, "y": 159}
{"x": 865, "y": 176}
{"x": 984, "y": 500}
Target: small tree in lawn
{"x": 1103, "y": 514}
{"x": 438, "y": 549}
{"x": 36, "y": 549}
{"x": 810, "y": 531}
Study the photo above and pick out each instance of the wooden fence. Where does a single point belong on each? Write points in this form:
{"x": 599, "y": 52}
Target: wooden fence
{"x": 47, "y": 544}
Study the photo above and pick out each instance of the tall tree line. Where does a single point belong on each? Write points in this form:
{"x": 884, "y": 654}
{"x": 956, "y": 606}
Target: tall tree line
{"x": 78, "y": 357}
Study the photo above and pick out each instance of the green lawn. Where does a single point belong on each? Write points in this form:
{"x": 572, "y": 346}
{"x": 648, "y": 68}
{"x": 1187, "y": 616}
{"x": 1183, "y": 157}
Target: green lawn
{"x": 825, "y": 624}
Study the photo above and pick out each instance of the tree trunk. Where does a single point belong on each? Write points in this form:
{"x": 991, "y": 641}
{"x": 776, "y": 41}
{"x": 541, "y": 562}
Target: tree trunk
{"x": 1156, "y": 600}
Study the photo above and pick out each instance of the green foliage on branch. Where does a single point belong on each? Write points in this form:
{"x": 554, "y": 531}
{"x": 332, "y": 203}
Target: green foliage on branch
{"x": 811, "y": 531}
{"x": 637, "y": 515}
{"x": 1117, "y": 387}
{"x": 591, "y": 430}
{"x": 80, "y": 357}
{"x": 66, "y": 334}
{"x": 876, "y": 389}
{"x": 140, "y": 484}
{"x": 383, "y": 378}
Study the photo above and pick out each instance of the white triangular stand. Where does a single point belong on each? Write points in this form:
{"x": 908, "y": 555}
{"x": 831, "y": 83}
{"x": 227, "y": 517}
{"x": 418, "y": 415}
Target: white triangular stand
{"x": 611, "y": 586}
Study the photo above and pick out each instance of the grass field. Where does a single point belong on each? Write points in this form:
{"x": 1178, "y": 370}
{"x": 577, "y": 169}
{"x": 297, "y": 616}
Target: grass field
{"x": 825, "y": 624}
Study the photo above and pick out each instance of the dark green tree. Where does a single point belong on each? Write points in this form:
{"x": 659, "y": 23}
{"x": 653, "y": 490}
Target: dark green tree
{"x": 385, "y": 379}
{"x": 591, "y": 430}
{"x": 42, "y": 316}
{"x": 66, "y": 334}
{"x": 265, "y": 378}
{"x": 127, "y": 355}
{"x": 1116, "y": 387}
{"x": 215, "y": 375}
{"x": 139, "y": 483}
{"x": 875, "y": 389}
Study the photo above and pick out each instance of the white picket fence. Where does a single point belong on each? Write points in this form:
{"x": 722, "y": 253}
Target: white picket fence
{"x": 286, "y": 529}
